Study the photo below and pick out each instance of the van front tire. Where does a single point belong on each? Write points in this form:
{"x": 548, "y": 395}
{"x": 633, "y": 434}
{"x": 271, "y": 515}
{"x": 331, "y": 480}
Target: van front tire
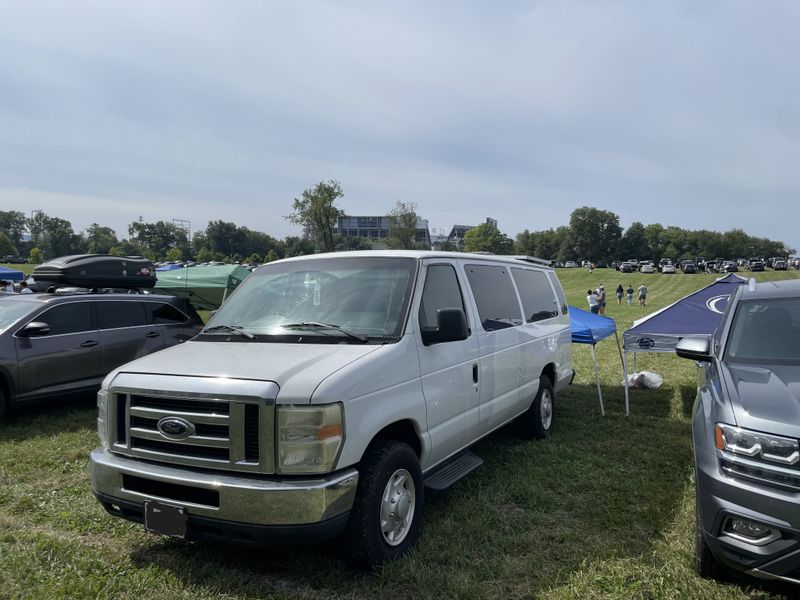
{"x": 537, "y": 422}
{"x": 386, "y": 515}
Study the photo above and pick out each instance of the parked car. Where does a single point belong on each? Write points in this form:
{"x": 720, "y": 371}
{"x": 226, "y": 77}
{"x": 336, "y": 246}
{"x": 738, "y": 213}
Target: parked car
{"x": 647, "y": 268}
{"x": 570, "y": 264}
{"x": 662, "y": 262}
{"x": 338, "y": 386}
{"x": 729, "y": 266}
{"x": 12, "y": 259}
{"x": 755, "y": 265}
{"x": 56, "y": 344}
{"x": 746, "y": 431}
{"x": 666, "y": 269}
{"x": 626, "y": 267}
{"x": 779, "y": 264}
{"x": 615, "y": 265}
{"x": 689, "y": 267}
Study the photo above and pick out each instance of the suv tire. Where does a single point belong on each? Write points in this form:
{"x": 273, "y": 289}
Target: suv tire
{"x": 704, "y": 562}
{"x": 536, "y": 423}
{"x": 386, "y": 515}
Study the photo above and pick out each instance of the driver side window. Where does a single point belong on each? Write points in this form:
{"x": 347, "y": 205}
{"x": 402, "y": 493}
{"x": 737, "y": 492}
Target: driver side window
{"x": 441, "y": 291}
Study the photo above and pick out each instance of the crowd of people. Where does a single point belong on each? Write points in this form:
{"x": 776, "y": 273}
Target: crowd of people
{"x": 8, "y": 287}
{"x": 597, "y": 297}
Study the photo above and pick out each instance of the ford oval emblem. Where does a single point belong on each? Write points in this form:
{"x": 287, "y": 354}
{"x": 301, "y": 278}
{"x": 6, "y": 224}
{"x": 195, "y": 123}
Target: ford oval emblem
{"x": 645, "y": 343}
{"x": 175, "y": 428}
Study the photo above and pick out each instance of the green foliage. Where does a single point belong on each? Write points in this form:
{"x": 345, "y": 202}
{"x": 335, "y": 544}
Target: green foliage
{"x": 175, "y": 254}
{"x": 6, "y": 246}
{"x": 271, "y": 256}
{"x": 594, "y": 234}
{"x": 100, "y": 240}
{"x": 156, "y": 239}
{"x": 486, "y": 237}
{"x": 54, "y": 236}
{"x": 316, "y": 211}
{"x": 13, "y": 223}
{"x": 36, "y": 256}
{"x": 403, "y": 226}
{"x": 347, "y": 243}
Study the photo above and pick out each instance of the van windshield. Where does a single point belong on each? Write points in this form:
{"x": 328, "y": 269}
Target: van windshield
{"x": 352, "y": 299}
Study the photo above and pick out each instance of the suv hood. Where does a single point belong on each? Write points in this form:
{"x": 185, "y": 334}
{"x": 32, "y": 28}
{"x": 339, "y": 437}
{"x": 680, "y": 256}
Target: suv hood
{"x": 765, "y": 399}
{"x": 297, "y": 368}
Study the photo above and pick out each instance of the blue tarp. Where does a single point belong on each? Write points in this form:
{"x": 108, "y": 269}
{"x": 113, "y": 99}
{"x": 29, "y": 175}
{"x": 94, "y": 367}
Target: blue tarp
{"x": 696, "y": 314}
{"x": 588, "y": 328}
{"x": 7, "y": 274}
{"x": 169, "y": 267}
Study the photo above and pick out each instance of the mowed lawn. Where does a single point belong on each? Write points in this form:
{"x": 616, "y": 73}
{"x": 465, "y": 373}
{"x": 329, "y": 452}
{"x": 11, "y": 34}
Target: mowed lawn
{"x": 605, "y": 508}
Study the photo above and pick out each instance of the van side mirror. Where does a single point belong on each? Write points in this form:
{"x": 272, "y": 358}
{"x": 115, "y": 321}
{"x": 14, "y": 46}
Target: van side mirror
{"x": 35, "y": 329}
{"x": 451, "y": 327}
{"x": 695, "y": 348}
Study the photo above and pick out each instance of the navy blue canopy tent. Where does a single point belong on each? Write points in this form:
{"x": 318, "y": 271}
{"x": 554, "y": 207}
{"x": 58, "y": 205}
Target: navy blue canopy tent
{"x": 698, "y": 313}
{"x": 7, "y": 274}
{"x": 589, "y": 328}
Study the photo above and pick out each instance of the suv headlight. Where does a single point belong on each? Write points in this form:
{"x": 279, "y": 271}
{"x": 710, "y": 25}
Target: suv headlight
{"x": 309, "y": 438}
{"x": 757, "y": 445}
{"x": 102, "y": 417}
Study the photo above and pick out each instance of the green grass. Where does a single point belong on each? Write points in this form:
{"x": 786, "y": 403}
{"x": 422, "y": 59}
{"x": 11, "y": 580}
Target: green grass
{"x": 602, "y": 510}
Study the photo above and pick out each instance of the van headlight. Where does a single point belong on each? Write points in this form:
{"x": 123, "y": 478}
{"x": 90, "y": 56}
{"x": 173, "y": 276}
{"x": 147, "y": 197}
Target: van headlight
{"x": 757, "y": 445}
{"x": 102, "y": 417}
{"x": 309, "y": 438}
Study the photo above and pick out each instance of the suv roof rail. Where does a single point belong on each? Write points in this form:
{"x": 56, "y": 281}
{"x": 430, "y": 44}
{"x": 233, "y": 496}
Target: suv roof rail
{"x": 534, "y": 260}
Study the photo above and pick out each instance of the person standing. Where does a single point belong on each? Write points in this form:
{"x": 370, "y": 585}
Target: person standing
{"x": 601, "y": 300}
{"x": 620, "y": 293}
{"x": 591, "y": 298}
{"x": 642, "y": 295}
{"x": 629, "y": 293}
{"x": 23, "y": 288}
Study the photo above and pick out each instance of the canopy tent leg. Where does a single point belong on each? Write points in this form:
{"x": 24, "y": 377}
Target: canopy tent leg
{"x": 634, "y": 362}
{"x": 597, "y": 382}
{"x": 625, "y": 371}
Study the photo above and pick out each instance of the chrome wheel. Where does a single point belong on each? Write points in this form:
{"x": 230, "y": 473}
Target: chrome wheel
{"x": 397, "y": 507}
{"x": 546, "y": 409}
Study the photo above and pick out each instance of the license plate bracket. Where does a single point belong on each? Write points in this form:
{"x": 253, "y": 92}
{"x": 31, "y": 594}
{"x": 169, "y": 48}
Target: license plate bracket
{"x": 166, "y": 519}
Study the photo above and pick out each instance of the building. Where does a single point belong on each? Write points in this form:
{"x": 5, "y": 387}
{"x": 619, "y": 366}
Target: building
{"x": 457, "y": 233}
{"x": 377, "y": 229}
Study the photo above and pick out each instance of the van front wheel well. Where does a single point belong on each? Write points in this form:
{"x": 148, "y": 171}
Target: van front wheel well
{"x": 401, "y": 431}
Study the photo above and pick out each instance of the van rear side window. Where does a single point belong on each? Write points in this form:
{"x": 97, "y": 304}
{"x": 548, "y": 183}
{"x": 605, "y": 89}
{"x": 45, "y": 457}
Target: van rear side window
{"x": 498, "y": 306}
{"x": 537, "y": 297}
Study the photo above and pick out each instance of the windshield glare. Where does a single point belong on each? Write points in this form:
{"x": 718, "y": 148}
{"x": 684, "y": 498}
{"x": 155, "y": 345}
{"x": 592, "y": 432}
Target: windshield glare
{"x": 367, "y": 296}
{"x": 11, "y": 311}
{"x": 766, "y": 331}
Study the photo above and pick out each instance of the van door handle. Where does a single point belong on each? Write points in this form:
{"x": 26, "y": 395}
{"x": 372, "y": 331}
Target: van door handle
{"x": 474, "y": 373}
{"x": 152, "y": 334}
{"x": 89, "y": 344}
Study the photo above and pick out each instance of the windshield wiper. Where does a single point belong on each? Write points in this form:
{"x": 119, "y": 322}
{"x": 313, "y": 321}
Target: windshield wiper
{"x": 316, "y": 325}
{"x": 237, "y": 329}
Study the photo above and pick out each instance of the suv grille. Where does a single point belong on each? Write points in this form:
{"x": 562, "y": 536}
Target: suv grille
{"x": 222, "y": 433}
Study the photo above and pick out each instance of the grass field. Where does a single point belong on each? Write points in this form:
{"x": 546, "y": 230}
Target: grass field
{"x": 603, "y": 509}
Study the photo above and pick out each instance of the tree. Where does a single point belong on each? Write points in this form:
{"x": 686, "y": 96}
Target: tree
{"x": 157, "y": 238}
{"x": 6, "y": 246}
{"x": 486, "y": 237}
{"x": 403, "y": 226}
{"x": 317, "y": 213}
{"x": 12, "y": 223}
{"x": 633, "y": 243}
{"x": 594, "y": 233}
{"x": 271, "y": 256}
{"x": 100, "y": 240}
{"x": 55, "y": 236}
{"x": 35, "y": 256}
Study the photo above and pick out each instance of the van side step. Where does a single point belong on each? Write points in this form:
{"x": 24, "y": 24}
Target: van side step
{"x": 451, "y": 471}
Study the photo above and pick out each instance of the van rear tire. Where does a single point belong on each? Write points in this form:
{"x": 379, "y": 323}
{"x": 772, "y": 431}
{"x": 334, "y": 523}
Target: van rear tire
{"x": 536, "y": 423}
{"x": 385, "y": 519}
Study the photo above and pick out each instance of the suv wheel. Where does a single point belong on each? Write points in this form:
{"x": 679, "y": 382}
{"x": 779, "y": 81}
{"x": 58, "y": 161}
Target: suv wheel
{"x": 705, "y": 563}
{"x": 537, "y": 422}
{"x": 385, "y": 519}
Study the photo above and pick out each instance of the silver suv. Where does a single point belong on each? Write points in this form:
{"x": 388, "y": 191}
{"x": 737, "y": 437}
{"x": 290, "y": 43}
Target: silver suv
{"x": 746, "y": 427}
{"x": 55, "y": 344}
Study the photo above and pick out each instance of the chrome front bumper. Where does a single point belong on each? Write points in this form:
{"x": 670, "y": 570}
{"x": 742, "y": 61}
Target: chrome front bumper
{"x": 254, "y": 500}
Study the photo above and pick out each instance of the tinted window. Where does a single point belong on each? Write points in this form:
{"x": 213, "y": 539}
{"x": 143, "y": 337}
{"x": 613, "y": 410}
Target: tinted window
{"x": 68, "y": 318}
{"x": 112, "y": 315}
{"x": 562, "y": 299}
{"x": 441, "y": 291}
{"x": 495, "y": 297}
{"x": 164, "y": 314}
{"x": 766, "y": 331}
{"x": 537, "y": 297}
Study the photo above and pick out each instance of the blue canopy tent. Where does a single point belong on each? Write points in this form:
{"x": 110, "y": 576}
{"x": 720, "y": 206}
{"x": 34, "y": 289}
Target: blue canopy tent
{"x": 698, "y": 313}
{"x": 7, "y": 274}
{"x": 169, "y": 267}
{"x": 589, "y": 328}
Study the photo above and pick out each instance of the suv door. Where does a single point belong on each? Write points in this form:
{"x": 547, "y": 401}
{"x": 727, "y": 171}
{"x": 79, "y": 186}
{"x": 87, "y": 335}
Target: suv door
{"x": 125, "y": 333}
{"x": 174, "y": 325}
{"x": 449, "y": 369}
{"x": 67, "y": 359}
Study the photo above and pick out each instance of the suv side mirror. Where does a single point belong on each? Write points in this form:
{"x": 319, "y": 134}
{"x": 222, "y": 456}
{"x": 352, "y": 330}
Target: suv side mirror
{"x": 695, "y": 348}
{"x": 451, "y": 327}
{"x": 35, "y": 329}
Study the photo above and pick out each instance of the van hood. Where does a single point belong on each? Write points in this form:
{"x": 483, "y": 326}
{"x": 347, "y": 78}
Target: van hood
{"x": 765, "y": 399}
{"x": 297, "y": 368}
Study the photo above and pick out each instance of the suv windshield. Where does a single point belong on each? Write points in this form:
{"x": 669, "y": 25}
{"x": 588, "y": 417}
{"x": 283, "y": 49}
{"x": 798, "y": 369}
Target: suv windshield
{"x": 325, "y": 297}
{"x": 11, "y": 311}
{"x": 766, "y": 331}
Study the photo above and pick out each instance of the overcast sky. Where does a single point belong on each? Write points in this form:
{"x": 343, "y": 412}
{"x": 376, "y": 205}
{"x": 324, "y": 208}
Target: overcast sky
{"x": 679, "y": 113}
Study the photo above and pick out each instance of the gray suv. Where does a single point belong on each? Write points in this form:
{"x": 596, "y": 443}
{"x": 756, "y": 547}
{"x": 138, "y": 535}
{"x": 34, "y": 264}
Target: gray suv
{"x": 55, "y": 344}
{"x": 746, "y": 426}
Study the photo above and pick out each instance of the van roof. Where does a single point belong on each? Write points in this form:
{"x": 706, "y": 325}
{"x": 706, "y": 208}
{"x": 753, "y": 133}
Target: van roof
{"x": 422, "y": 254}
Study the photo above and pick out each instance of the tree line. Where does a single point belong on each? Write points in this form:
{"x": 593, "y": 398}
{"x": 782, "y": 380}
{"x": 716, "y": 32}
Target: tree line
{"x": 592, "y": 234}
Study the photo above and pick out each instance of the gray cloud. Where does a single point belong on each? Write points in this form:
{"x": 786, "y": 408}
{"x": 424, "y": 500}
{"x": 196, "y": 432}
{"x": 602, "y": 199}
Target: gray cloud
{"x": 681, "y": 113}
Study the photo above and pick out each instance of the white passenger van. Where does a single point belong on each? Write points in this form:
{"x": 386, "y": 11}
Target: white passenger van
{"x": 327, "y": 392}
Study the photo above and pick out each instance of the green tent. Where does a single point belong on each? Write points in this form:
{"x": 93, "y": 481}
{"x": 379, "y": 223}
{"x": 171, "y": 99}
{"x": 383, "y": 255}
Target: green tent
{"x": 203, "y": 287}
